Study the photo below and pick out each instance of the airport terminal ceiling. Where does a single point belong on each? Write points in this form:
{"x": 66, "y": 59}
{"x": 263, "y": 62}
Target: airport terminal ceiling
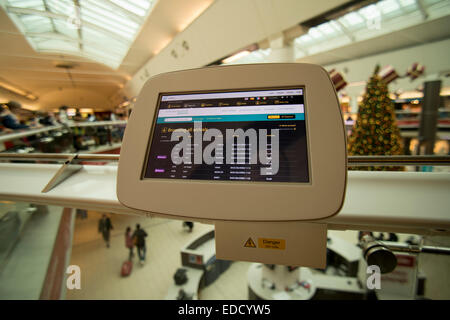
{"x": 55, "y": 50}
{"x": 51, "y": 57}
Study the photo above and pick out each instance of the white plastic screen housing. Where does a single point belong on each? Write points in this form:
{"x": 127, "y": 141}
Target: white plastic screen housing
{"x": 320, "y": 198}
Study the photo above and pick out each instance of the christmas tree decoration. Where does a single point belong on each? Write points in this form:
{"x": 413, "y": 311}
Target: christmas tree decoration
{"x": 375, "y": 131}
{"x": 337, "y": 79}
{"x": 415, "y": 71}
{"x": 388, "y": 74}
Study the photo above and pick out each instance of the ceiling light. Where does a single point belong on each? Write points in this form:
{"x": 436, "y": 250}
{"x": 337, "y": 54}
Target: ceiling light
{"x": 124, "y": 104}
{"x": 31, "y": 108}
{"x": 162, "y": 46}
{"x": 15, "y": 90}
{"x": 195, "y": 14}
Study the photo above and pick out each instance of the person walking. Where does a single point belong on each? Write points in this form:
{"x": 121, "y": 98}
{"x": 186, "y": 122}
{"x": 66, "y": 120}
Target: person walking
{"x": 139, "y": 235}
{"x": 129, "y": 242}
{"x": 104, "y": 227}
{"x": 8, "y": 117}
{"x": 189, "y": 225}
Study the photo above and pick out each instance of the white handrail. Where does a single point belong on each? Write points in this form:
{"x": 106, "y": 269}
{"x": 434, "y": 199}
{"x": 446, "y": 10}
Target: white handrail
{"x": 405, "y": 202}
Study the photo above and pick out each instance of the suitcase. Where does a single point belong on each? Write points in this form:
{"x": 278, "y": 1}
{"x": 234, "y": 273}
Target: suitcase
{"x": 127, "y": 266}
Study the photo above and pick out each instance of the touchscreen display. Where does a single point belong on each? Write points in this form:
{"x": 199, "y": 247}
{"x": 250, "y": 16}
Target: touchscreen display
{"x": 252, "y": 135}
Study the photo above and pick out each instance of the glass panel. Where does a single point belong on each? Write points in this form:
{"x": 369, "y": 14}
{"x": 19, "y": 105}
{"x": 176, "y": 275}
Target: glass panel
{"x": 36, "y": 24}
{"x": 305, "y": 38}
{"x": 30, "y": 4}
{"x": 430, "y": 2}
{"x": 315, "y": 33}
{"x": 36, "y": 40}
{"x": 352, "y": 19}
{"x": 406, "y": 3}
{"x": 61, "y": 27}
{"x": 142, "y": 3}
{"x": 61, "y": 6}
{"x": 54, "y": 44}
{"x": 370, "y": 12}
{"x": 335, "y": 25}
{"x": 388, "y": 6}
{"x": 109, "y": 13}
{"x": 113, "y": 47}
{"x": 130, "y": 7}
{"x": 107, "y": 23}
{"x": 326, "y": 28}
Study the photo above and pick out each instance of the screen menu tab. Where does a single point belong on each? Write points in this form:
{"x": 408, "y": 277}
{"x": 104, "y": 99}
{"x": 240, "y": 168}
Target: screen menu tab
{"x": 257, "y": 135}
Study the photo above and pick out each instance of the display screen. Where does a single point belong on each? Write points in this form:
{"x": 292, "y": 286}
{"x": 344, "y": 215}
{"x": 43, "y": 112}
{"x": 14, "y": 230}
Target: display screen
{"x": 252, "y": 135}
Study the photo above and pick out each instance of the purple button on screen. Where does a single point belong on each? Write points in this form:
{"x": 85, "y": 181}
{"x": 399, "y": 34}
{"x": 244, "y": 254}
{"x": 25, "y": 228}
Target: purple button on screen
{"x": 161, "y": 157}
{"x": 159, "y": 170}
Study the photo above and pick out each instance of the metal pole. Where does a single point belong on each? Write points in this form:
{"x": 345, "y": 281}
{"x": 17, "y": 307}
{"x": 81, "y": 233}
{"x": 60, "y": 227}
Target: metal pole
{"x": 409, "y": 248}
{"x": 58, "y": 156}
{"x": 429, "y": 116}
{"x": 362, "y": 161}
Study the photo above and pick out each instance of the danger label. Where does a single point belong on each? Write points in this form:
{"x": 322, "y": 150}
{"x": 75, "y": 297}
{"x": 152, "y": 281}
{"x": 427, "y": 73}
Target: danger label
{"x": 249, "y": 243}
{"x": 265, "y": 243}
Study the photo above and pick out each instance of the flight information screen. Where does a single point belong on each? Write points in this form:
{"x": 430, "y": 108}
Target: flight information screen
{"x": 253, "y": 135}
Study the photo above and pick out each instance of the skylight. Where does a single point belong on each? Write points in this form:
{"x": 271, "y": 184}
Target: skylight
{"x": 100, "y": 30}
{"x": 374, "y": 20}
{"x": 367, "y": 22}
{"x": 352, "y": 19}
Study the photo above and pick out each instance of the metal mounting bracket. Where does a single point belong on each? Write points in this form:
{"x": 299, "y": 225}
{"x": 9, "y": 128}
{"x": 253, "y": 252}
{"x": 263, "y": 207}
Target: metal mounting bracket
{"x": 65, "y": 171}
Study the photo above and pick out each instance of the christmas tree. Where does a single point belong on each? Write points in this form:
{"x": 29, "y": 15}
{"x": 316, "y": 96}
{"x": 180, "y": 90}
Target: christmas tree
{"x": 375, "y": 131}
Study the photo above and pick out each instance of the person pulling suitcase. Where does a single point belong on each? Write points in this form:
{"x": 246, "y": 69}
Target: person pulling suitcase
{"x": 139, "y": 235}
{"x": 127, "y": 266}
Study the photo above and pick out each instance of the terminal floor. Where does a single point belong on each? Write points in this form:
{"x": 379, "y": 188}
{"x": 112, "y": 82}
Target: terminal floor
{"x": 100, "y": 266}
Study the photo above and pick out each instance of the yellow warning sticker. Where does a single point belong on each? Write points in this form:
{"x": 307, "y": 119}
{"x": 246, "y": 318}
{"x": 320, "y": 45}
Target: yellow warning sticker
{"x": 249, "y": 243}
{"x": 266, "y": 243}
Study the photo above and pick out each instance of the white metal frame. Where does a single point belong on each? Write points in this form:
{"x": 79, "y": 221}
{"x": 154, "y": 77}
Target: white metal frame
{"x": 232, "y": 200}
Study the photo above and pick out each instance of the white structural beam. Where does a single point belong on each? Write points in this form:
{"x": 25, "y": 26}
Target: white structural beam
{"x": 423, "y": 9}
{"x": 407, "y": 202}
{"x": 59, "y": 36}
{"x": 105, "y": 4}
{"x": 346, "y": 31}
{"x": 28, "y": 11}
